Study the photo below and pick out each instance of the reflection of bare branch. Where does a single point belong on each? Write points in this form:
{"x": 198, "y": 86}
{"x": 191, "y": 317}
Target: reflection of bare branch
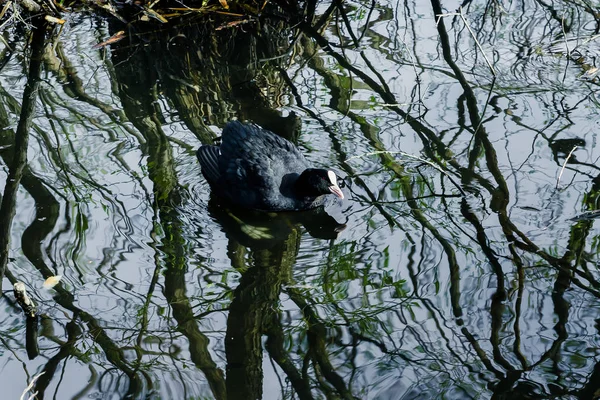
{"x": 317, "y": 337}
{"x": 416, "y": 158}
{"x": 7, "y": 208}
{"x": 74, "y": 85}
{"x": 368, "y": 63}
{"x": 468, "y": 26}
{"x": 275, "y": 346}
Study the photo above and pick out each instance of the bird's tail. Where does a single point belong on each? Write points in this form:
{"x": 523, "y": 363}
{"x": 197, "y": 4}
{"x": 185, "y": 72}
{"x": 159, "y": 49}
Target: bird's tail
{"x": 208, "y": 156}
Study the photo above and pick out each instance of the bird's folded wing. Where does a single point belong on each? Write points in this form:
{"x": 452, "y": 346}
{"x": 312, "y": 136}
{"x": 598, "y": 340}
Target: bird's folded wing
{"x": 208, "y": 156}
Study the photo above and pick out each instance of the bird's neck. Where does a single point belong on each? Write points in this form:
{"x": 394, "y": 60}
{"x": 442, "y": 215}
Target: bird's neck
{"x": 302, "y": 187}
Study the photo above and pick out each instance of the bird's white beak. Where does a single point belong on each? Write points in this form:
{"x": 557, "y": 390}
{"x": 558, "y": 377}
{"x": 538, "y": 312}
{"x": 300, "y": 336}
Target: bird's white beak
{"x": 335, "y": 189}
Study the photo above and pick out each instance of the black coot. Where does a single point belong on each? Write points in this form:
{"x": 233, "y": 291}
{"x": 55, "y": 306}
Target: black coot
{"x": 255, "y": 168}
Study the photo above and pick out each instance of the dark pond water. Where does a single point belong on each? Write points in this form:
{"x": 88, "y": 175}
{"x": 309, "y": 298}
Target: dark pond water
{"x": 468, "y": 263}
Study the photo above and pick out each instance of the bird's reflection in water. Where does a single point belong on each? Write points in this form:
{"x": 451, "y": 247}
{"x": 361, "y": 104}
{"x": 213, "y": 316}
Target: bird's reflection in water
{"x": 263, "y": 247}
{"x": 263, "y": 230}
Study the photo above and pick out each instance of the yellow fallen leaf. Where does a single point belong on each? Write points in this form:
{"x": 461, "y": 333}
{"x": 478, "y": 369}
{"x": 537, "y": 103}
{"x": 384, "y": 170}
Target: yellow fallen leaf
{"x": 54, "y": 20}
{"x": 52, "y": 281}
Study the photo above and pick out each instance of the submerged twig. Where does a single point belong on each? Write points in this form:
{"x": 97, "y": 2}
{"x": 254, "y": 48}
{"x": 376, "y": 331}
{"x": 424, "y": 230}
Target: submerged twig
{"x": 565, "y": 165}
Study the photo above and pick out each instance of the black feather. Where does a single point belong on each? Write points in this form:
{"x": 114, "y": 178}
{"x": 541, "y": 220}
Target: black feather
{"x": 208, "y": 156}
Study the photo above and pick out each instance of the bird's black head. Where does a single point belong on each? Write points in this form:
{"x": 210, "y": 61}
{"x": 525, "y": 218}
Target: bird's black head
{"x": 315, "y": 182}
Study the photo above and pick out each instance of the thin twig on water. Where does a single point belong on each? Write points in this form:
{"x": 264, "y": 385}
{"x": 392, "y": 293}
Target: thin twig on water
{"x": 564, "y": 165}
{"x": 562, "y": 25}
{"x": 30, "y": 386}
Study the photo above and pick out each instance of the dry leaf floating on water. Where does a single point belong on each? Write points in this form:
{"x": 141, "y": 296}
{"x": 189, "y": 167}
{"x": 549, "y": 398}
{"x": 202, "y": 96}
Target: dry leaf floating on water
{"x": 52, "y": 281}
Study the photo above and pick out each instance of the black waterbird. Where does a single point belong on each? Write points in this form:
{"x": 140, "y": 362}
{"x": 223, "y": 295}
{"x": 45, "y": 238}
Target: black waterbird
{"x": 254, "y": 168}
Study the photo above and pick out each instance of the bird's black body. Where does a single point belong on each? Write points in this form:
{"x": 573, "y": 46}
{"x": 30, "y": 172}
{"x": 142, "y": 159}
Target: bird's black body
{"x": 254, "y": 168}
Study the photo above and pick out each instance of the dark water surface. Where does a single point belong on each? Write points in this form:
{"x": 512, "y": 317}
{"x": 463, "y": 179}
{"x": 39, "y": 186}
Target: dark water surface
{"x": 468, "y": 263}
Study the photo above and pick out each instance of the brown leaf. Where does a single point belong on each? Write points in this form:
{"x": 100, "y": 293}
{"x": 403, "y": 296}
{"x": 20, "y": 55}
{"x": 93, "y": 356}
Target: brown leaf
{"x": 113, "y": 39}
{"x": 232, "y": 24}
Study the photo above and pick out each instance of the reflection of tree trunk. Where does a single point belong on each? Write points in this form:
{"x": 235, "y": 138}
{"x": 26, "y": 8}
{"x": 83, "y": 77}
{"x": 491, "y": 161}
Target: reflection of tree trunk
{"x": 138, "y": 95}
{"x": 591, "y": 389}
{"x": 251, "y": 299}
{"x": 254, "y": 305}
{"x": 7, "y": 209}
{"x": 317, "y": 342}
{"x": 66, "y": 350}
{"x": 175, "y": 293}
{"x": 47, "y": 207}
{"x": 275, "y": 346}
{"x": 186, "y": 324}
{"x": 47, "y": 211}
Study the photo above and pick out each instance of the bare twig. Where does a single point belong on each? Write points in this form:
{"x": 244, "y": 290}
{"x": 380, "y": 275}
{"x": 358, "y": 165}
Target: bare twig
{"x": 564, "y": 165}
{"x": 30, "y": 386}
{"x": 6, "y": 6}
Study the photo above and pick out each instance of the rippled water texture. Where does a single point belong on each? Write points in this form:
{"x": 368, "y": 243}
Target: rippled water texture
{"x": 468, "y": 263}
